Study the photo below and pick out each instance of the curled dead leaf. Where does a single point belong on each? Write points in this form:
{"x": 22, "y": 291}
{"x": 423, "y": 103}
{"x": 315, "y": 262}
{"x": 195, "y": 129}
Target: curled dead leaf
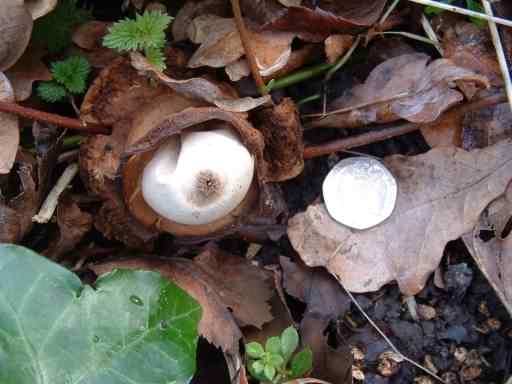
{"x": 328, "y": 17}
{"x": 193, "y": 9}
{"x": 219, "y": 94}
{"x": 73, "y": 224}
{"x": 394, "y": 91}
{"x": 336, "y": 46}
{"x": 221, "y": 45}
{"x": 441, "y": 196}
{"x": 16, "y": 211}
{"x": 15, "y": 30}
{"x": 9, "y": 128}
{"x": 494, "y": 256}
{"x": 40, "y": 8}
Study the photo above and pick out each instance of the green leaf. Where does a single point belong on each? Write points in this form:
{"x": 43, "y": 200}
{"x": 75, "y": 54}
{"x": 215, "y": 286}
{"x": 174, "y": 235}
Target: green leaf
{"x": 133, "y": 327}
{"x": 289, "y": 342}
{"x": 432, "y": 10}
{"x": 275, "y": 360}
{"x": 72, "y": 73}
{"x": 55, "y": 29}
{"x": 144, "y": 33}
{"x": 269, "y": 372}
{"x": 273, "y": 345}
{"x": 477, "y": 7}
{"x": 302, "y": 362}
{"x": 156, "y": 57}
{"x": 51, "y": 92}
{"x": 254, "y": 350}
{"x": 256, "y": 370}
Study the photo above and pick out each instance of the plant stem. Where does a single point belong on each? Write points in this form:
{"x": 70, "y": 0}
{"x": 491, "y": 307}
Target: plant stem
{"x": 249, "y": 52}
{"x": 387, "y": 133}
{"x": 463, "y": 11}
{"x": 500, "y": 52}
{"x": 52, "y": 118}
{"x": 299, "y": 76}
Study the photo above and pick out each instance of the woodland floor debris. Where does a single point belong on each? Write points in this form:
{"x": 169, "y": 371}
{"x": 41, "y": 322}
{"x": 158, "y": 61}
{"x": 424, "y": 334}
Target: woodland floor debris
{"x": 301, "y": 85}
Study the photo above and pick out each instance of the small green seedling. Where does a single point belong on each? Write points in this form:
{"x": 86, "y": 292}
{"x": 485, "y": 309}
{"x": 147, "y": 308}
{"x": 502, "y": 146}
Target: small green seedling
{"x": 471, "y": 5}
{"x": 69, "y": 78}
{"x": 146, "y": 33}
{"x": 276, "y": 363}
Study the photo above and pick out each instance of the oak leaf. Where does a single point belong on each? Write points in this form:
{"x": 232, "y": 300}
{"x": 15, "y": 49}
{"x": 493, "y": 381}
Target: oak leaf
{"x": 441, "y": 196}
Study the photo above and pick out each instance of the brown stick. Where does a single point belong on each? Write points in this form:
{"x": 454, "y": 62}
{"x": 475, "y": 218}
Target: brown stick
{"x": 52, "y": 118}
{"x": 387, "y": 133}
{"x": 246, "y": 42}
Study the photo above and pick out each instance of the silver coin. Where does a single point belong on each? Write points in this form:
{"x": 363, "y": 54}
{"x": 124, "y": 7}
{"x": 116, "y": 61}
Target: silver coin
{"x": 360, "y": 192}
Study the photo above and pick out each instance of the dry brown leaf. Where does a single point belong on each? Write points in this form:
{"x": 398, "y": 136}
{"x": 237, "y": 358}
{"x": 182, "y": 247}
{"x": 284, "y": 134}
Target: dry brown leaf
{"x": 27, "y": 70}
{"x": 494, "y": 256}
{"x": 325, "y": 301}
{"x": 194, "y": 8}
{"x": 472, "y": 129}
{"x": 15, "y": 31}
{"x": 215, "y": 289}
{"x": 284, "y": 147}
{"x": 40, "y": 8}
{"x": 9, "y": 128}
{"x": 441, "y": 196}
{"x": 16, "y": 212}
{"x": 89, "y": 35}
{"x": 470, "y": 47}
{"x": 199, "y": 88}
{"x": 326, "y": 18}
{"x": 291, "y": 3}
{"x": 73, "y": 225}
{"x": 336, "y": 46}
{"x": 221, "y": 45}
{"x": 394, "y": 91}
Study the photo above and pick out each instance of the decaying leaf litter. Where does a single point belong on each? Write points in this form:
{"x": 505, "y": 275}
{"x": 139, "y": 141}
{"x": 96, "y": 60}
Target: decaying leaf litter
{"x": 201, "y": 133}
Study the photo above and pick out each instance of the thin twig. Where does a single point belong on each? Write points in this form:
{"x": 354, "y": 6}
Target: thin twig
{"x": 427, "y": 27}
{"x": 387, "y": 133}
{"x": 412, "y": 36}
{"x": 358, "y": 140}
{"x": 376, "y": 327}
{"x": 50, "y": 204}
{"x": 500, "y": 52}
{"x": 52, "y": 118}
{"x": 463, "y": 11}
{"x": 249, "y": 52}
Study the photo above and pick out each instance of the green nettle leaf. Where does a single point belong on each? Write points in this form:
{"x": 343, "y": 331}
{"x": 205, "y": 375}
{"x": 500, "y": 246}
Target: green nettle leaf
{"x": 302, "y": 362}
{"x": 72, "y": 73}
{"x": 51, "y": 92}
{"x": 273, "y": 345}
{"x": 269, "y": 372}
{"x": 289, "y": 341}
{"x": 254, "y": 350}
{"x": 256, "y": 369}
{"x": 132, "y": 327}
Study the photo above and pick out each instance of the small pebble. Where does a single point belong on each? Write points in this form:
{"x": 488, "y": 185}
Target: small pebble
{"x": 426, "y": 312}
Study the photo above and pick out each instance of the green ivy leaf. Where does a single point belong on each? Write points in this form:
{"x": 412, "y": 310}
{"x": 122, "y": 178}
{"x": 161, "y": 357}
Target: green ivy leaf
{"x": 289, "y": 342}
{"x": 302, "y": 362}
{"x": 132, "y": 327}
{"x": 269, "y": 372}
{"x": 273, "y": 345}
{"x": 254, "y": 350}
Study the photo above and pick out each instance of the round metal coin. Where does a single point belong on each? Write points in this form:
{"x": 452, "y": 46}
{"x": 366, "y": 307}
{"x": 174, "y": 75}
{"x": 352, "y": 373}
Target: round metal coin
{"x": 360, "y": 192}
